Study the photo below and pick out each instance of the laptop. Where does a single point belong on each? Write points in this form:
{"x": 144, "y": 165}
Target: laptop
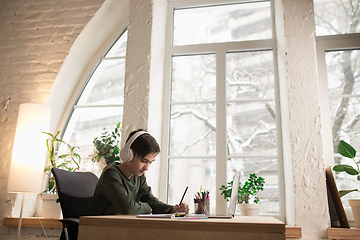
{"x": 232, "y": 205}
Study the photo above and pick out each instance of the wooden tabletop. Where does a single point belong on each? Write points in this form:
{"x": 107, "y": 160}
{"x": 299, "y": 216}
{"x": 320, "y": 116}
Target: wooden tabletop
{"x": 236, "y": 224}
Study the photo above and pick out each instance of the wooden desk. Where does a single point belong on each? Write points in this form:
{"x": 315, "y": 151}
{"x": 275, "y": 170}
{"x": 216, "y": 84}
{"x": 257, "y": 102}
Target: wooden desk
{"x": 130, "y": 227}
{"x": 33, "y": 222}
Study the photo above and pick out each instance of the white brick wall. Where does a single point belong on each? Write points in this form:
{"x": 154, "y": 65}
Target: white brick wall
{"x": 35, "y": 38}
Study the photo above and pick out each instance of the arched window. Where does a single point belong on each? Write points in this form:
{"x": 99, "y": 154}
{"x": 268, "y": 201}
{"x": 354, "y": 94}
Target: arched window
{"x": 99, "y": 104}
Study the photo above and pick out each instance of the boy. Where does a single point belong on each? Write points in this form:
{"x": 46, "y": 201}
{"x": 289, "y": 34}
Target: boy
{"x": 122, "y": 188}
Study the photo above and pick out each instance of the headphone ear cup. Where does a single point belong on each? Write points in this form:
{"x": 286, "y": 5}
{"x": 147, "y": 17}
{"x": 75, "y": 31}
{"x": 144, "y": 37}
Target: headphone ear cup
{"x": 126, "y": 154}
{"x": 130, "y": 155}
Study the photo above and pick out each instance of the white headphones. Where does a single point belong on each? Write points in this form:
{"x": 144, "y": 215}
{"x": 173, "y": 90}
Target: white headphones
{"x": 126, "y": 153}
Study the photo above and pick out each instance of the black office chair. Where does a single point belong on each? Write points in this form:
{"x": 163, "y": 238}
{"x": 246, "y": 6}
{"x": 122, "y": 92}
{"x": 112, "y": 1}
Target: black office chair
{"x": 75, "y": 190}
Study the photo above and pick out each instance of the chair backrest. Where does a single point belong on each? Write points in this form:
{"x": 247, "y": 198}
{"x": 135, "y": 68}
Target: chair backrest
{"x": 75, "y": 190}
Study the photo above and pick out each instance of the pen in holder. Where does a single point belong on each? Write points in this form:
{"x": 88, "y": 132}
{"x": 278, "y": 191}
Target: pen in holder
{"x": 202, "y": 206}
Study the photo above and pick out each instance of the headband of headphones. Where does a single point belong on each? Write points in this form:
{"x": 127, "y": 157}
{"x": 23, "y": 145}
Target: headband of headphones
{"x": 126, "y": 153}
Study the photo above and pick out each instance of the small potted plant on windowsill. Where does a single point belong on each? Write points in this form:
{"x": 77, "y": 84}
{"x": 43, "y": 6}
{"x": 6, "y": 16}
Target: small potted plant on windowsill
{"x": 68, "y": 160}
{"x": 247, "y": 191}
{"x": 346, "y": 150}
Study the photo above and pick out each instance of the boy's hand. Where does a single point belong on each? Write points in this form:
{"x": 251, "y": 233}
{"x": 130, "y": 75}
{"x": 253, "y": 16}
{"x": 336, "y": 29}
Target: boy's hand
{"x": 182, "y": 208}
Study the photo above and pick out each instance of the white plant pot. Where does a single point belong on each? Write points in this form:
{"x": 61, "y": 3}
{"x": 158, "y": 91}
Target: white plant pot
{"x": 355, "y": 207}
{"x": 51, "y": 208}
{"x": 249, "y": 209}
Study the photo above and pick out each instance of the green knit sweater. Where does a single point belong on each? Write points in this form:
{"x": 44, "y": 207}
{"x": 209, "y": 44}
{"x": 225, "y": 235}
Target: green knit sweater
{"x": 116, "y": 194}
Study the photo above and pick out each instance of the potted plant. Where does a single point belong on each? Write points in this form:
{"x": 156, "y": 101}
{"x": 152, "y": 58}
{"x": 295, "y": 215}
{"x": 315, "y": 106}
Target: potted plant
{"x": 106, "y": 147}
{"x": 346, "y": 150}
{"x": 247, "y": 191}
{"x": 69, "y": 160}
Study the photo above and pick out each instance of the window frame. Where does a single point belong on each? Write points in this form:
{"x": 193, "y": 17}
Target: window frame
{"x": 84, "y": 85}
{"x": 220, "y": 50}
{"x": 326, "y": 44}
{"x": 92, "y": 68}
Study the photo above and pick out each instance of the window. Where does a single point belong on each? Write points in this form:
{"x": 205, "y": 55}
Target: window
{"x": 99, "y": 104}
{"x": 222, "y": 110}
{"x": 339, "y": 55}
{"x": 343, "y": 77}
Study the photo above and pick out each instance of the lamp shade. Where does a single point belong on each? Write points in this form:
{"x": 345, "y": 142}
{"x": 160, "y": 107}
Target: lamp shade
{"x": 29, "y": 151}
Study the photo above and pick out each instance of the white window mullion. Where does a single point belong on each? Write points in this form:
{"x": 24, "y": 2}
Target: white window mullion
{"x": 164, "y": 165}
{"x": 253, "y": 45}
{"x": 221, "y": 166}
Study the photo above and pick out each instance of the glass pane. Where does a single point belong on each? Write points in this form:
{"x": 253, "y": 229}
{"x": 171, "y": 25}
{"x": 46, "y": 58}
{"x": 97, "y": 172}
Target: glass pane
{"x": 251, "y": 128}
{"x": 265, "y": 168}
{"x": 222, "y": 23}
{"x": 334, "y": 17}
{"x": 86, "y": 124}
{"x": 345, "y": 120}
{"x": 192, "y": 130}
{"x": 343, "y": 69}
{"x": 119, "y": 48}
{"x": 193, "y": 78}
{"x": 249, "y": 75}
{"x": 106, "y": 85}
{"x": 194, "y": 173}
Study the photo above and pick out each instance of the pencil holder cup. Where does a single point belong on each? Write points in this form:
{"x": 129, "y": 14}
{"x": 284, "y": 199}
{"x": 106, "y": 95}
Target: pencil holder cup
{"x": 202, "y": 206}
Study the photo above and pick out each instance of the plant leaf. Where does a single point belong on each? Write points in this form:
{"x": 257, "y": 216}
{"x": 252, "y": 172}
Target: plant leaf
{"x": 346, "y": 150}
{"x": 346, "y": 168}
{"x": 344, "y": 192}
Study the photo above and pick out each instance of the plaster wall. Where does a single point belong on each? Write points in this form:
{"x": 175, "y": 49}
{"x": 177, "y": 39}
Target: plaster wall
{"x": 137, "y": 73}
{"x": 308, "y": 168}
{"x": 145, "y": 65}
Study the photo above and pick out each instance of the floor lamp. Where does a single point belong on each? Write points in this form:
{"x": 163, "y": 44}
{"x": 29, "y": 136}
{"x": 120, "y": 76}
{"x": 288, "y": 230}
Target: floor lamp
{"x": 29, "y": 151}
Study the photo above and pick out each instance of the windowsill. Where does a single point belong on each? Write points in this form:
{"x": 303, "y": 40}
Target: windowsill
{"x": 343, "y": 233}
{"x": 291, "y": 232}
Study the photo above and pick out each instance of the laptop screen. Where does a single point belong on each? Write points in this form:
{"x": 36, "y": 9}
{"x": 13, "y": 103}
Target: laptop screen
{"x": 234, "y": 194}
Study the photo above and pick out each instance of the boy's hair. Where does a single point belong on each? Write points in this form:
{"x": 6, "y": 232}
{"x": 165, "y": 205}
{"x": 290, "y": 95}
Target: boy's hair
{"x": 144, "y": 144}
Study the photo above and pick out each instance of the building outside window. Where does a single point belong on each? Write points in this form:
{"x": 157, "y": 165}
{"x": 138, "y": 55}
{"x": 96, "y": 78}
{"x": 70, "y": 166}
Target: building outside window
{"x": 223, "y": 108}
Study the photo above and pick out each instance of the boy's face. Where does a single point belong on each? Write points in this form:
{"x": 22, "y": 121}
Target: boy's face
{"x": 139, "y": 165}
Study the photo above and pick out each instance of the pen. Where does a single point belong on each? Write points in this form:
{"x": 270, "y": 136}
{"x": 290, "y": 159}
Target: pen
{"x": 183, "y": 195}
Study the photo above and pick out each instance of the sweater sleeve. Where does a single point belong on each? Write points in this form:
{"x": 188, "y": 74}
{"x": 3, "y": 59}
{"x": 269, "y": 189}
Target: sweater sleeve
{"x": 117, "y": 193}
{"x": 147, "y": 196}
